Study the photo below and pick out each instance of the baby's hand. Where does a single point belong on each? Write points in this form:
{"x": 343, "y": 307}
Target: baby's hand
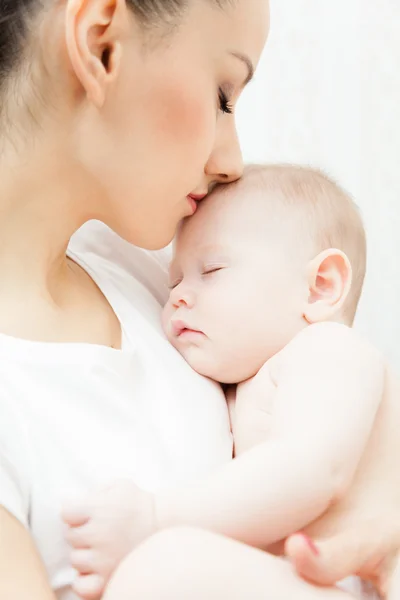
{"x": 103, "y": 530}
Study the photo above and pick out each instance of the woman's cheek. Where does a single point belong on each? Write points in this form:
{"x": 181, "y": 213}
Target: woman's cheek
{"x": 186, "y": 119}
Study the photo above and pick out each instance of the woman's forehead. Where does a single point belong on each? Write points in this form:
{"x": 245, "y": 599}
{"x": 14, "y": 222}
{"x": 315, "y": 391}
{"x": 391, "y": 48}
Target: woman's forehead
{"x": 239, "y": 27}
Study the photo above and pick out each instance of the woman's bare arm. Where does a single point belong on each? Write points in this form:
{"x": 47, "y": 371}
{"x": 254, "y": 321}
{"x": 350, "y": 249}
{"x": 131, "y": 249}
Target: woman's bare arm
{"x": 22, "y": 574}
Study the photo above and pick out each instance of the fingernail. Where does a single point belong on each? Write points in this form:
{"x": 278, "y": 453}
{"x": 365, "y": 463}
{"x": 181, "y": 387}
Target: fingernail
{"x": 310, "y": 544}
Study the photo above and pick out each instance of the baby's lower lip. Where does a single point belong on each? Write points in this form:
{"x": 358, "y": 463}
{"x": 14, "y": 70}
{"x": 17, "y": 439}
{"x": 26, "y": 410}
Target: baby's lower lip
{"x": 190, "y": 333}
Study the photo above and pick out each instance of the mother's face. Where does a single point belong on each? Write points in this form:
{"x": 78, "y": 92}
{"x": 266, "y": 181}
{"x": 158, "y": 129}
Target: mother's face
{"x": 160, "y": 115}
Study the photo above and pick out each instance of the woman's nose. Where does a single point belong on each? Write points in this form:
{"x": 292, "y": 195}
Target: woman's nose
{"x": 226, "y": 162}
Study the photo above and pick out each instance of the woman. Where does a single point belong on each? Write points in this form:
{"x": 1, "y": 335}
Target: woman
{"x": 119, "y": 111}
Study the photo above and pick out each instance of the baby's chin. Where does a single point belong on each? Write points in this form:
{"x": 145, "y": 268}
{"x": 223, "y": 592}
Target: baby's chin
{"x": 211, "y": 367}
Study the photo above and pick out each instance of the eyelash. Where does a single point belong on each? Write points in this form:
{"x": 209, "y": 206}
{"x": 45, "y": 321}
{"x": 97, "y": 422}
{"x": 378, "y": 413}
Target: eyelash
{"x": 224, "y": 102}
{"x": 211, "y": 271}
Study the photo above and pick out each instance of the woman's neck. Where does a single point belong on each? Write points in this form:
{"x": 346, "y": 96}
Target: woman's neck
{"x": 41, "y": 198}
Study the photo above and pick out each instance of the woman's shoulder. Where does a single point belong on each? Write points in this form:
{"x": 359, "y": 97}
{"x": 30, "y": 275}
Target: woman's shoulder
{"x": 102, "y": 249}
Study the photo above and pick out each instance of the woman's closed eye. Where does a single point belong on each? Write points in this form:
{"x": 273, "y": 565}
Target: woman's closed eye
{"x": 224, "y": 104}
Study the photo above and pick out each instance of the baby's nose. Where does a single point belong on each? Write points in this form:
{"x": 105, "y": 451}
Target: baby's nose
{"x": 182, "y": 296}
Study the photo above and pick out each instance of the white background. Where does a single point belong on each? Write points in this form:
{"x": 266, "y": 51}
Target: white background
{"x": 327, "y": 93}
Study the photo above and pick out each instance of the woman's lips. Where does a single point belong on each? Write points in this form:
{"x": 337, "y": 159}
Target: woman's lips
{"x": 197, "y": 197}
{"x": 192, "y": 204}
{"x": 193, "y": 200}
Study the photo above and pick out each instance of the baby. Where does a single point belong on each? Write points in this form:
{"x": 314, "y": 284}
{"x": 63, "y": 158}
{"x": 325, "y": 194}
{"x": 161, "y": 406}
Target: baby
{"x": 265, "y": 282}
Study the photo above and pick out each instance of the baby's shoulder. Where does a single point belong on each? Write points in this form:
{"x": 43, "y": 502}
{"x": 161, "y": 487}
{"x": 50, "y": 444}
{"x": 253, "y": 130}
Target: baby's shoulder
{"x": 330, "y": 341}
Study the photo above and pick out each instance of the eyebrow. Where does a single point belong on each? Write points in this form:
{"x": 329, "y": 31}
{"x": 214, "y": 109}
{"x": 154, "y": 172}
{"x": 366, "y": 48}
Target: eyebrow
{"x": 245, "y": 59}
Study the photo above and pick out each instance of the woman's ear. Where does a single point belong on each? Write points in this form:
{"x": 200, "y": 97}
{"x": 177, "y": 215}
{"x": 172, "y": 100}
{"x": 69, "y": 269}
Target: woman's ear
{"x": 330, "y": 276}
{"x": 92, "y": 36}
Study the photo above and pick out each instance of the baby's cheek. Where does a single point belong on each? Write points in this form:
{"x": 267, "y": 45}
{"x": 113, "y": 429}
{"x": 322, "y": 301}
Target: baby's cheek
{"x": 166, "y": 320}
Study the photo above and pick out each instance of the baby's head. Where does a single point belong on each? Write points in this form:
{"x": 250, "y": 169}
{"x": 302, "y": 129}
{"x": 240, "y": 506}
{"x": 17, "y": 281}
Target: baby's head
{"x": 261, "y": 259}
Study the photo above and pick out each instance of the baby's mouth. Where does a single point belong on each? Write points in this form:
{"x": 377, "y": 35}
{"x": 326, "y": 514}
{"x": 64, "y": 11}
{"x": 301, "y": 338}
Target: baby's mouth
{"x": 182, "y": 329}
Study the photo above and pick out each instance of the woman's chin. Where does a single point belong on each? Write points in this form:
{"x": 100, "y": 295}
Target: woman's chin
{"x": 155, "y": 240}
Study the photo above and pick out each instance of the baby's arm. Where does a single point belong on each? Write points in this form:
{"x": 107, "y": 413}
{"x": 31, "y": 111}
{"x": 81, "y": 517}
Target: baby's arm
{"x": 329, "y": 387}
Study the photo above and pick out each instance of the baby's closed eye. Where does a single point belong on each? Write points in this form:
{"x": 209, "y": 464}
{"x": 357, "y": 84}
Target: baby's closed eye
{"x": 211, "y": 270}
{"x": 174, "y": 283}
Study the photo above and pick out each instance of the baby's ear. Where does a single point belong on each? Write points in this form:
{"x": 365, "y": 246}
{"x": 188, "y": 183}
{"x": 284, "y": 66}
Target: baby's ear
{"x": 329, "y": 278}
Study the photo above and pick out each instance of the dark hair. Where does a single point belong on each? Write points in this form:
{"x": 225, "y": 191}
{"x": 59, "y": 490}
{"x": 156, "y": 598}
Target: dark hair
{"x": 15, "y": 16}
{"x": 150, "y": 10}
{"x": 13, "y": 31}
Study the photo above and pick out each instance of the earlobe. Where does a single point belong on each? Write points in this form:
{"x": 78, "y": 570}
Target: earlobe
{"x": 92, "y": 43}
{"x": 330, "y": 276}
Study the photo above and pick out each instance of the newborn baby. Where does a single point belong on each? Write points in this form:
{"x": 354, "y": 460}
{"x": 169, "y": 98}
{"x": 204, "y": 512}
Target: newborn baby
{"x": 265, "y": 282}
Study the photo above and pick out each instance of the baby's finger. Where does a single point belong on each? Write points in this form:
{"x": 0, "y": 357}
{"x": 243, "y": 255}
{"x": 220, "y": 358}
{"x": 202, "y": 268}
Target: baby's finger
{"x": 83, "y": 561}
{"x": 89, "y": 587}
{"x": 79, "y": 537}
{"x": 75, "y": 514}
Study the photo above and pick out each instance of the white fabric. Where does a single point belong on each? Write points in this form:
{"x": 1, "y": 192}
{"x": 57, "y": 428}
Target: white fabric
{"x": 361, "y": 590}
{"x": 74, "y": 416}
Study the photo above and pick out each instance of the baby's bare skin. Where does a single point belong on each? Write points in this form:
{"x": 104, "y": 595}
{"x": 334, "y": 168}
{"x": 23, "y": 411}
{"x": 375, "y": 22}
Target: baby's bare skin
{"x": 315, "y": 405}
{"x": 121, "y": 517}
{"x": 381, "y": 453}
{"x": 251, "y": 409}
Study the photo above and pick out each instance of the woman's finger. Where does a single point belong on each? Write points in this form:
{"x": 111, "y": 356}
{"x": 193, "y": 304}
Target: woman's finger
{"x": 329, "y": 561}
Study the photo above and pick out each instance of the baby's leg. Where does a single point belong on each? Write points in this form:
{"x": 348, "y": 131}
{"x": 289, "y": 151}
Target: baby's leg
{"x": 178, "y": 564}
{"x": 394, "y": 584}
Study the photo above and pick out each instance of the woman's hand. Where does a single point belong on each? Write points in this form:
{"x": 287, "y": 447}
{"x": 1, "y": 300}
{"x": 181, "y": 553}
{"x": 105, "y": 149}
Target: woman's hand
{"x": 104, "y": 529}
{"x": 369, "y": 550}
